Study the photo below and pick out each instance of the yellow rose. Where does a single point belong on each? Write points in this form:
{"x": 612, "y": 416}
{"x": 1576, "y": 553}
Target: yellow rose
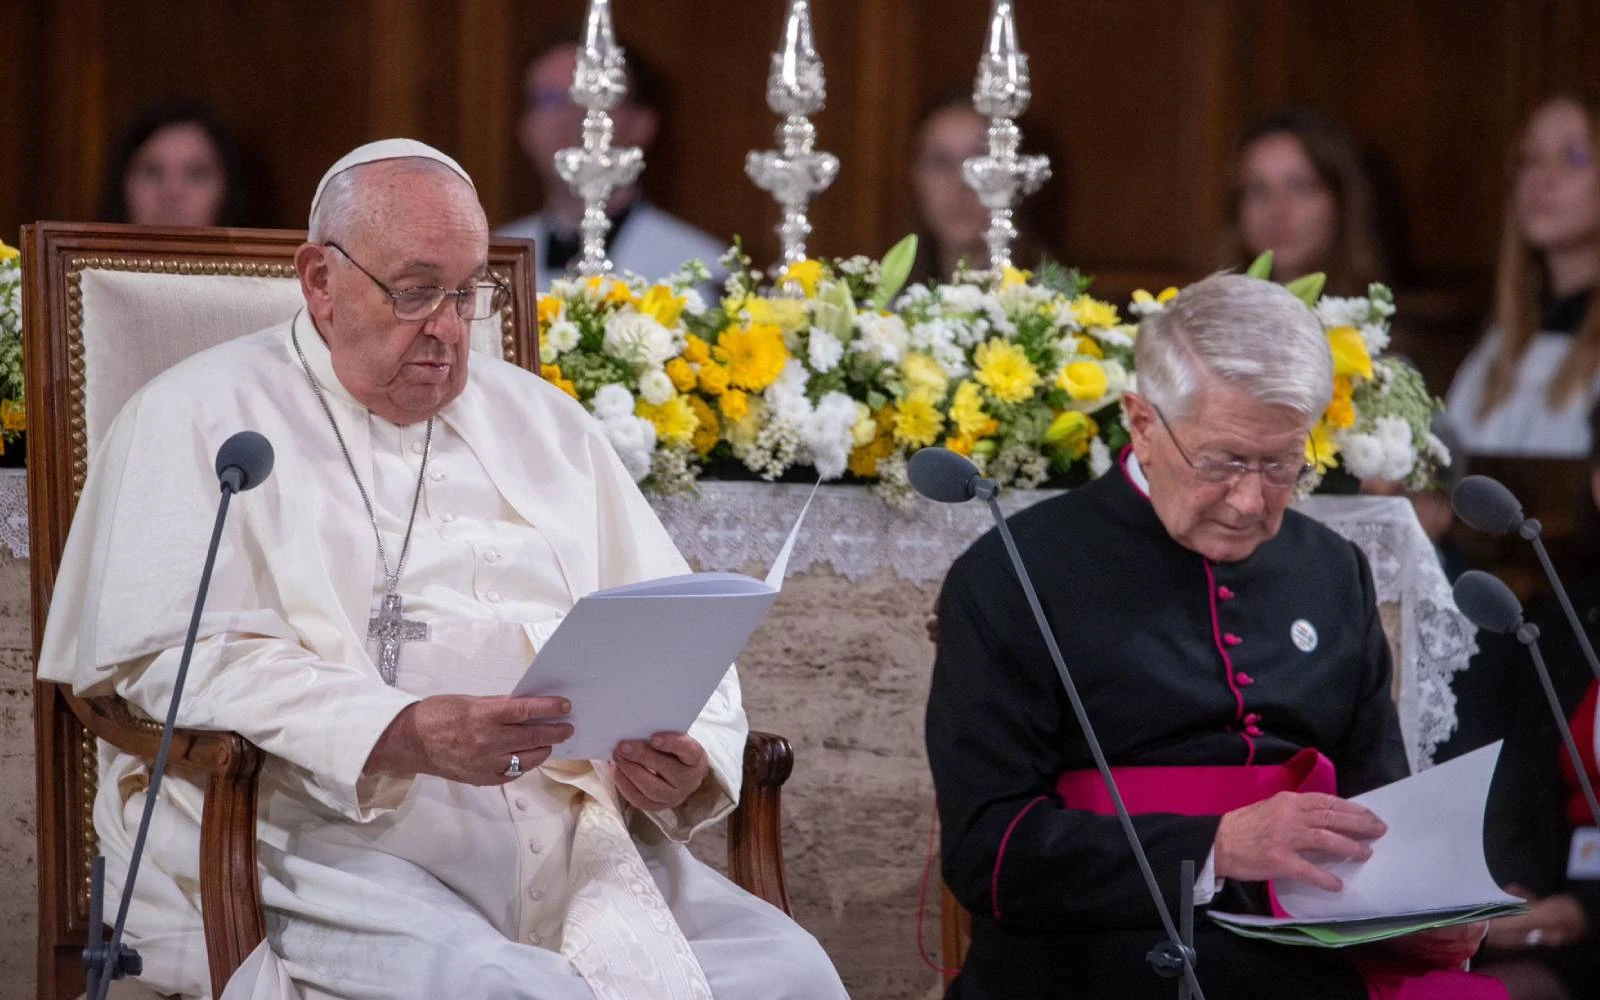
{"x": 695, "y": 350}
{"x": 1084, "y": 381}
{"x": 682, "y": 374}
{"x": 661, "y": 305}
{"x": 713, "y": 379}
{"x": 1072, "y": 433}
{"x": 805, "y": 273}
{"x": 1350, "y": 355}
{"x": 734, "y": 404}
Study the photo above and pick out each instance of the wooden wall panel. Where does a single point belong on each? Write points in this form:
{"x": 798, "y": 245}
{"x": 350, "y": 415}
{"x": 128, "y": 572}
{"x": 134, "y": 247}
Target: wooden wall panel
{"x": 1139, "y": 102}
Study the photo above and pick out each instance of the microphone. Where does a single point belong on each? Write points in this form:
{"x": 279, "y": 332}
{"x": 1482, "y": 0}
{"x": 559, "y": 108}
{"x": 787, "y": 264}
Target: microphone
{"x": 243, "y": 462}
{"x": 1491, "y": 606}
{"x": 1487, "y": 505}
{"x": 942, "y": 475}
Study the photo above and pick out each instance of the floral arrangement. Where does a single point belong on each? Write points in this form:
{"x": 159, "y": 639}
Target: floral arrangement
{"x": 13, "y": 415}
{"x": 839, "y": 367}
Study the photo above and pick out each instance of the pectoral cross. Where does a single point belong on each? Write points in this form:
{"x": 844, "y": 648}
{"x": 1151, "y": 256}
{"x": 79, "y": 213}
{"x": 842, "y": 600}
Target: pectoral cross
{"x": 392, "y": 629}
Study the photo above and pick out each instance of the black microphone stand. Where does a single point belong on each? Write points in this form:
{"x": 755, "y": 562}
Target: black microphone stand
{"x": 1532, "y": 531}
{"x": 103, "y": 962}
{"x": 1175, "y": 956}
{"x": 1528, "y": 635}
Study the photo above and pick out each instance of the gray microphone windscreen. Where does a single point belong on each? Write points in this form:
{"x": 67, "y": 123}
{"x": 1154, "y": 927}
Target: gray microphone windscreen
{"x": 1487, "y": 505}
{"x": 250, "y": 454}
{"x": 940, "y": 474}
{"x": 1487, "y": 602}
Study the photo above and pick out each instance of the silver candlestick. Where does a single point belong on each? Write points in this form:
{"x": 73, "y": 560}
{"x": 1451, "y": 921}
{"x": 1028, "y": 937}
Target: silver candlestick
{"x": 1001, "y": 177}
{"x": 795, "y": 172}
{"x": 598, "y": 168}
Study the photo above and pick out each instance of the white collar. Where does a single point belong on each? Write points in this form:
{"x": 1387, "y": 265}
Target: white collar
{"x": 1136, "y": 474}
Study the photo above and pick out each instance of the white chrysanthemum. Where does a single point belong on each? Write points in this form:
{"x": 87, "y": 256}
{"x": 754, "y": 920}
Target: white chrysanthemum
{"x": 1099, "y": 458}
{"x": 786, "y": 397}
{"x": 883, "y": 338}
{"x": 962, "y": 298}
{"x": 612, "y": 402}
{"x": 1361, "y": 455}
{"x": 693, "y": 302}
{"x": 824, "y": 351}
{"x": 826, "y": 434}
{"x": 1386, "y": 453}
{"x": 1333, "y": 311}
{"x": 655, "y": 387}
{"x": 634, "y": 440}
{"x": 562, "y": 337}
{"x": 916, "y": 295}
{"x": 1376, "y": 337}
{"x": 952, "y": 358}
{"x": 638, "y": 338}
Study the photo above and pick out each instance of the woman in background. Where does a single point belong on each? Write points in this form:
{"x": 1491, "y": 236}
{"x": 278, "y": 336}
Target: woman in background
{"x": 1302, "y": 192}
{"x": 1527, "y": 388}
{"x": 951, "y": 221}
{"x": 175, "y": 166}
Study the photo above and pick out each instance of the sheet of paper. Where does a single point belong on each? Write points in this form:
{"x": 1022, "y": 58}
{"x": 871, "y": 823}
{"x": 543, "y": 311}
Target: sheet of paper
{"x": 645, "y": 658}
{"x": 1348, "y": 934}
{"x": 1430, "y": 860}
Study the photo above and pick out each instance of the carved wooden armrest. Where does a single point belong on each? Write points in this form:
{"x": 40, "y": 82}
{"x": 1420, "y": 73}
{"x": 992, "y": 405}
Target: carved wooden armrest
{"x": 755, "y": 834}
{"x": 230, "y": 888}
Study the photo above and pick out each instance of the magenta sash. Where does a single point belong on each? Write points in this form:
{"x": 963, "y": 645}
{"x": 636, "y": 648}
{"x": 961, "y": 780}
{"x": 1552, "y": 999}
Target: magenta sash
{"x": 1212, "y": 791}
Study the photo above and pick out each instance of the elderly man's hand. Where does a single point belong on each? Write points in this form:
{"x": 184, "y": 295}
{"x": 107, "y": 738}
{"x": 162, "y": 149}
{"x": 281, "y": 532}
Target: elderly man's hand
{"x": 1282, "y": 836}
{"x": 470, "y": 739}
{"x": 1445, "y": 948}
{"x": 661, "y": 773}
{"x": 1552, "y": 922}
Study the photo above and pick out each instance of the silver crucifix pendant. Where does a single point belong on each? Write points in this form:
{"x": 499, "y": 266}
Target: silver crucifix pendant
{"x": 392, "y": 629}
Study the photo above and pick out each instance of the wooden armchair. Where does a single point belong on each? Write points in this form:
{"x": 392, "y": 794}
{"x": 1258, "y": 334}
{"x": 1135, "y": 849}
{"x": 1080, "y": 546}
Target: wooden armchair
{"x": 105, "y": 309}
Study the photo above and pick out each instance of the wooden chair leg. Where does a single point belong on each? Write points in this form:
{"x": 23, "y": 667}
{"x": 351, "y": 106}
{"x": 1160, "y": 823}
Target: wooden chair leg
{"x": 230, "y": 886}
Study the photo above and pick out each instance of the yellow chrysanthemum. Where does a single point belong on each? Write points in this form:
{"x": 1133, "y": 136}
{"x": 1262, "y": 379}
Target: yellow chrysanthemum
{"x": 1341, "y": 412}
{"x": 674, "y": 420}
{"x": 1350, "y": 355}
{"x": 1321, "y": 447}
{"x": 788, "y": 315}
{"x": 695, "y": 350}
{"x": 1005, "y": 371}
{"x": 1072, "y": 432}
{"x": 1084, "y": 381}
{"x": 708, "y": 428}
{"x": 8, "y": 252}
{"x": 923, "y": 377}
{"x": 552, "y": 374}
{"x": 713, "y": 379}
{"x": 918, "y": 423}
{"x": 1012, "y": 277}
{"x": 754, "y": 354}
{"x": 734, "y": 404}
{"x": 662, "y": 305}
{"x": 966, "y": 412}
{"x": 805, "y": 273}
{"x": 683, "y": 375}
{"x": 1092, "y": 312}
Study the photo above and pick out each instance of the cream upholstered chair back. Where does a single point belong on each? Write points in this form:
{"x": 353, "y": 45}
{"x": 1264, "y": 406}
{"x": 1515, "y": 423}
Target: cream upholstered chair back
{"x": 105, "y": 309}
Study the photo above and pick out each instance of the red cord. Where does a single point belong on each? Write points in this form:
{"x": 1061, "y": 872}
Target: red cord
{"x": 922, "y": 899}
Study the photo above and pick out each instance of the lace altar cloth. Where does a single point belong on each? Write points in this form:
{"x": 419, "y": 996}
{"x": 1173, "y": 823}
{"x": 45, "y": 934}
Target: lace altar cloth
{"x": 740, "y": 525}
{"x": 14, "y": 511}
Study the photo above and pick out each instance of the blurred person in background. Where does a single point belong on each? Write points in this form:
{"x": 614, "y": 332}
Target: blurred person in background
{"x": 1302, "y": 192}
{"x": 643, "y": 239}
{"x": 1528, "y": 386}
{"x": 176, "y": 165}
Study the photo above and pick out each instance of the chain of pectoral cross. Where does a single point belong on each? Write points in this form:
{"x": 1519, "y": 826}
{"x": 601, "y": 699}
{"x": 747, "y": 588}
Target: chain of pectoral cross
{"x": 389, "y": 626}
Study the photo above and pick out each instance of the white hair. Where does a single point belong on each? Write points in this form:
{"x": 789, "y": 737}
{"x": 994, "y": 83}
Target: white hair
{"x": 344, "y": 207}
{"x": 1249, "y": 334}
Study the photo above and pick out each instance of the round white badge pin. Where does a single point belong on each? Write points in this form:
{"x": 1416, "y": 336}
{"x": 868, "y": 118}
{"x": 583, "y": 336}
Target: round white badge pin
{"x": 1304, "y": 635}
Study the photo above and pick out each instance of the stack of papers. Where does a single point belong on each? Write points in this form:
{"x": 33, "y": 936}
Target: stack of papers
{"x": 645, "y": 658}
{"x": 1427, "y": 872}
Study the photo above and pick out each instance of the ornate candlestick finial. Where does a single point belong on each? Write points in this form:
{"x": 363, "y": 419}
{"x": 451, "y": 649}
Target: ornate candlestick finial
{"x": 795, "y": 172}
{"x": 598, "y": 168}
{"x": 1001, "y": 177}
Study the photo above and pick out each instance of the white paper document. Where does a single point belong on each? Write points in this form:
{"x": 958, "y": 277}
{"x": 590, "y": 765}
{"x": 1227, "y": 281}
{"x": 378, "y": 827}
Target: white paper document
{"x": 1430, "y": 862}
{"x": 645, "y": 657}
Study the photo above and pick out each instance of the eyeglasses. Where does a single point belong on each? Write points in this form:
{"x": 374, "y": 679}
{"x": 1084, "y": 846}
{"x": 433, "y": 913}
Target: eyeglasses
{"x": 480, "y": 301}
{"x": 1214, "y": 470}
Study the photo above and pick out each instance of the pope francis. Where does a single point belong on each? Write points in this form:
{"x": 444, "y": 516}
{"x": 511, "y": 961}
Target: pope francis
{"x": 423, "y": 533}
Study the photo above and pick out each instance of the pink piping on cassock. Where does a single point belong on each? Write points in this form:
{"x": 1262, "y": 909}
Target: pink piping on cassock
{"x": 994, "y": 879}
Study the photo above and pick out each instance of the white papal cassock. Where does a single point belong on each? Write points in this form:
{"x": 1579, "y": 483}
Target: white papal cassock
{"x": 376, "y": 886}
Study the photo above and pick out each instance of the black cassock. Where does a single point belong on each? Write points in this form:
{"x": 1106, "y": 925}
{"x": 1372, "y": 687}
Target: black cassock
{"x": 1180, "y": 661}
